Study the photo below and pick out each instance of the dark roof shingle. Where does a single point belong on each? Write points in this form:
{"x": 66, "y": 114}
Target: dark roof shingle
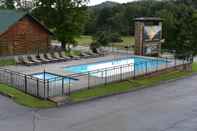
{"x": 9, "y": 17}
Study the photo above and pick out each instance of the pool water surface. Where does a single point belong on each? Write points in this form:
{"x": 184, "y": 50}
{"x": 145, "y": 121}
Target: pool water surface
{"x": 114, "y": 66}
{"x": 52, "y": 77}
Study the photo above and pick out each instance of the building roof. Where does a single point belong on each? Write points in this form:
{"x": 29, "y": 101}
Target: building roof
{"x": 148, "y": 19}
{"x": 10, "y": 17}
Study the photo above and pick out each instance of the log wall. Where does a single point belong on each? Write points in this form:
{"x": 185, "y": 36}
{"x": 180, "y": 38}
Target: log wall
{"x": 24, "y": 37}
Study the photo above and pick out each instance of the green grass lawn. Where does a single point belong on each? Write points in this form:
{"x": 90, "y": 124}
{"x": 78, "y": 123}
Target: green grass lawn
{"x": 24, "y": 99}
{"x": 7, "y": 62}
{"x": 128, "y": 85}
{"x": 86, "y": 40}
{"x": 194, "y": 67}
{"x": 127, "y": 41}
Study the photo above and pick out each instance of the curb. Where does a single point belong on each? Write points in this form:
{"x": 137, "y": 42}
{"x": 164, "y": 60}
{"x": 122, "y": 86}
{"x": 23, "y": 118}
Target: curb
{"x": 68, "y": 103}
{"x": 7, "y": 95}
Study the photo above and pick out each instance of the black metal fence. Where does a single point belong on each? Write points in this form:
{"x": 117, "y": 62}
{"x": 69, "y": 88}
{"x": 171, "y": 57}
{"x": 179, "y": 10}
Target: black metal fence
{"x": 118, "y": 73}
{"x": 64, "y": 85}
{"x": 25, "y": 83}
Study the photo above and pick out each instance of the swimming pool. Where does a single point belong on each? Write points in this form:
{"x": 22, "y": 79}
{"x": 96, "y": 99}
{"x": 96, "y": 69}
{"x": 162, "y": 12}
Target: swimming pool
{"x": 52, "y": 77}
{"x": 140, "y": 64}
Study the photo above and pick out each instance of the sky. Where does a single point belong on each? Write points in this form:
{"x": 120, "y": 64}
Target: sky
{"x": 95, "y": 2}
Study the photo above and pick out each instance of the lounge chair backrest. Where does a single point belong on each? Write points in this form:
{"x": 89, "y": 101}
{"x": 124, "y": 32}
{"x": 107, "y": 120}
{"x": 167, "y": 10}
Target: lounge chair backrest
{"x": 17, "y": 60}
{"x": 99, "y": 51}
{"x": 25, "y": 57}
{"x": 56, "y": 54}
{"x": 62, "y": 53}
{"x": 33, "y": 57}
{"x": 41, "y": 55}
{"x": 49, "y": 55}
{"x": 26, "y": 61}
{"x": 86, "y": 54}
{"x": 43, "y": 58}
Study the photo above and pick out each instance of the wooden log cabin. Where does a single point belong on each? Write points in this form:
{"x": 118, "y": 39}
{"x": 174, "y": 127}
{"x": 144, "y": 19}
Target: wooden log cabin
{"x": 21, "y": 33}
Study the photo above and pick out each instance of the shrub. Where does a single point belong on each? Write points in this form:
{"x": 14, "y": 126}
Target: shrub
{"x": 115, "y": 37}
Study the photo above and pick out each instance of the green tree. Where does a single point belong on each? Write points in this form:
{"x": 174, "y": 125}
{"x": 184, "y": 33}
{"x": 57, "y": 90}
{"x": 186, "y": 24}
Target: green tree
{"x": 25, "y": 5}
{"x": 180, "y": 25}
{"x": 100, "y": 39}
{"x": 7, "y": 4}
{"x": 103, "y": 21}
{"x": 115, "y": 37}
{"x": 65, "y": 17}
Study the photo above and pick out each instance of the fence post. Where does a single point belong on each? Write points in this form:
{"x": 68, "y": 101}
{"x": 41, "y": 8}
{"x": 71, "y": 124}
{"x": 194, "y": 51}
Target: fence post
{"x": 37, "y": 87}
{"x": 146, "y": 67}
{"x": 88, "y": 80}
{"x": 183, "y": 61}
{"x": 105, "y": 76}
{"x": 157, "y": 64}
{"x": 175, "y": 62}
{"x": 7, "y": 77}
{"x": 166, "y": 62}
{"x": 102, "y": 74}
{"x": 48, "y": 89}
{"x": 134, "y": 71}
{"x": 63, "y": 86}
{"x": 44, "y": 85}
{"x": 69, "y": 87}
{"x": 25, "y": 83}
{"x": 44, "y": 89}
{"x": 121, "y": 73}
{"x": 11, "y": 78}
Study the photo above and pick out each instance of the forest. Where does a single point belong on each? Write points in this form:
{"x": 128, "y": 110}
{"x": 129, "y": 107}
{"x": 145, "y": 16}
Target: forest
{"x": 71, "y": 18}
{"x": 179, "y": 26}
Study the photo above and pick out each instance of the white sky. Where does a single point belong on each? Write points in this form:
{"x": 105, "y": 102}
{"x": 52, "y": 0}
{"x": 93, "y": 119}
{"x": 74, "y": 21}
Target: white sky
{"x": 95, "y": 2}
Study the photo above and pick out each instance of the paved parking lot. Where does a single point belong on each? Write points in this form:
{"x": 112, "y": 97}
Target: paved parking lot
{"x": 168, "y": 107}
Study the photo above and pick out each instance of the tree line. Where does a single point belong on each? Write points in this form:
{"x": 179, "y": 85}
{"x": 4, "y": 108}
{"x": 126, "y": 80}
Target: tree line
{"x": 71, "y": 18}
{"x": 179, "y": 25}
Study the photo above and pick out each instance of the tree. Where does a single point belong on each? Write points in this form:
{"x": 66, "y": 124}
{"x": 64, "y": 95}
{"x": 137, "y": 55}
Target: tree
{"x": 65, "y": 17}
{"x": 103, "y": 21}
{"x": 115, "y": 37}
{"x": 180, "y": 25}
{"x": 100, "y": 39}
{"x": 24, "y": 5}
{"x": 7, "y": 4}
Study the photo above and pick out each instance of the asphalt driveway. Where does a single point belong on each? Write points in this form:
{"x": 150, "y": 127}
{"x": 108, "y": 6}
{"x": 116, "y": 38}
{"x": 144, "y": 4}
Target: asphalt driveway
{"x": 168, "y": 107}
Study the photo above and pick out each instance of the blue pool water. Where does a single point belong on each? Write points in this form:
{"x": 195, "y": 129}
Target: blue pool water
{"x": 52, "y": 77}
{"x": 140, "y": 64}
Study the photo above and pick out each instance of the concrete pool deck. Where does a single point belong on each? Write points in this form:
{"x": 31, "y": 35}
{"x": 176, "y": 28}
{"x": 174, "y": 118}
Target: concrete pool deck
{"x": 58, "y": 67}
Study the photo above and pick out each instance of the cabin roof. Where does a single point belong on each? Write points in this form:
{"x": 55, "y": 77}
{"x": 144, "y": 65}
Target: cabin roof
{"x": 9, "y": 17}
